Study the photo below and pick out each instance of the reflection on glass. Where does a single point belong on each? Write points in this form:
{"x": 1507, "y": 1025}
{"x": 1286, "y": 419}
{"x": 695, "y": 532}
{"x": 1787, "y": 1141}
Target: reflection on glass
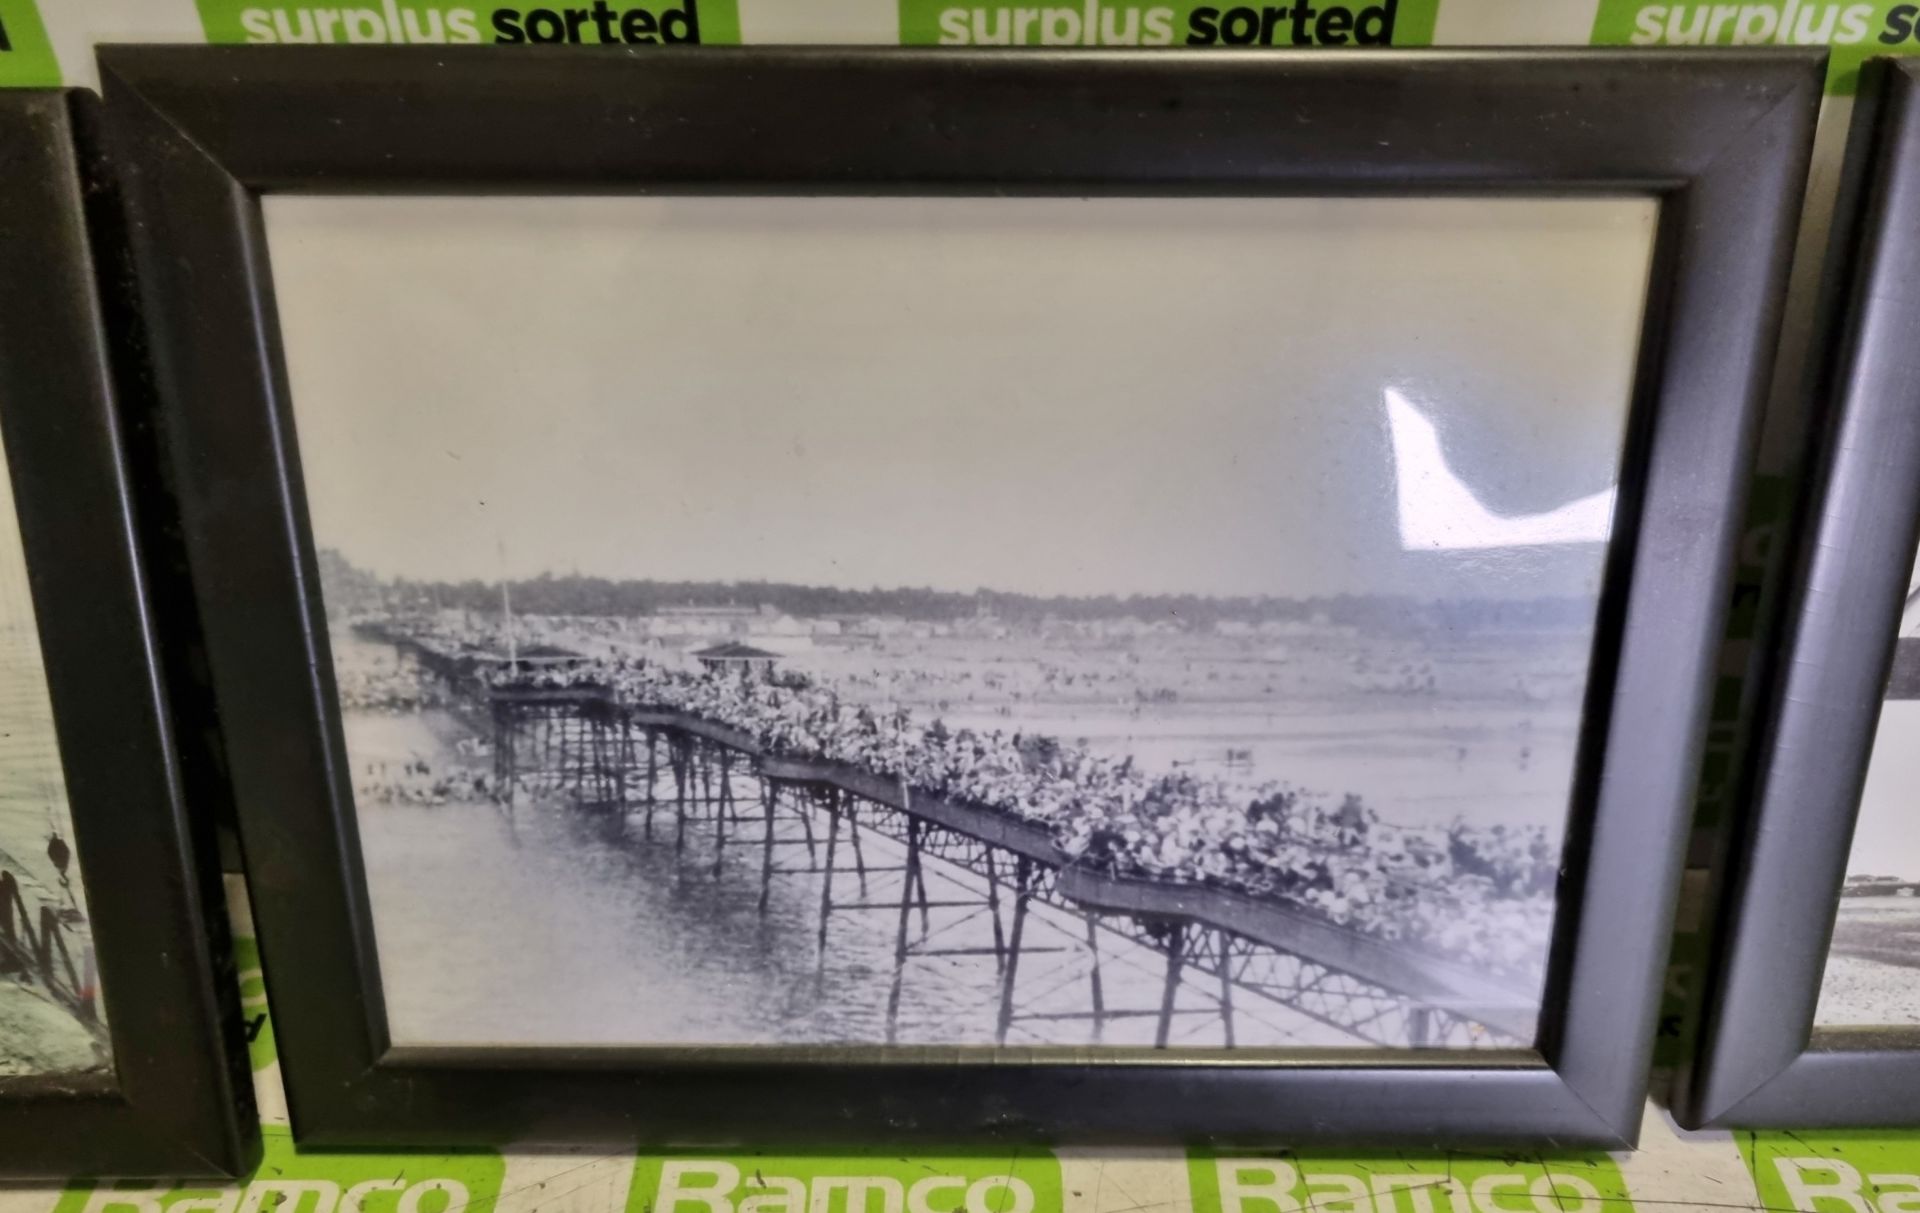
{"x": 1440, "y": 512}
{"x": 873, "y": 621}
{"x": 51, "y": 1020}
{"x": 1872, "y": 976}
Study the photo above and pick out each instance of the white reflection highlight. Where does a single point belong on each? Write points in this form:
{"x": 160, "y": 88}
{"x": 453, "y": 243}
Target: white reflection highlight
{"x": 1438, "y": 512}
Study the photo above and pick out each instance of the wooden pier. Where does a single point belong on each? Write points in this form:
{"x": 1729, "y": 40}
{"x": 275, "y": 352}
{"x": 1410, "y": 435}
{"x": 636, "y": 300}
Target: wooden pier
{"x": 675, "y": 777}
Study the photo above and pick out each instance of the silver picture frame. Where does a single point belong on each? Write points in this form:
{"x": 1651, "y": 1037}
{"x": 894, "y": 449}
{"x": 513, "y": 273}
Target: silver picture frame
{"x": 1760, "y": 1060}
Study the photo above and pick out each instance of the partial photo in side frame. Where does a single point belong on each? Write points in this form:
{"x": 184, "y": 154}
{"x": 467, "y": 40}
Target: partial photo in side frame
{"x": 1198, "y": 571}
{"x": 1872, "y": 977}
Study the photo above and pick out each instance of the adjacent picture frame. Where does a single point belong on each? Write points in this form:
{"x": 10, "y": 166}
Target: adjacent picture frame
{"x": 1719, "y": 139}
{"x": 1761, "y": 1061}
{"x": 113, "y": 926}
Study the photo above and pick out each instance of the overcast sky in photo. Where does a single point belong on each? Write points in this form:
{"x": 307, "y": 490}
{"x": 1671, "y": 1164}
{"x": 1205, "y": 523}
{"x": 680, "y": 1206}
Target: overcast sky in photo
{"x": 1042, "y": 395}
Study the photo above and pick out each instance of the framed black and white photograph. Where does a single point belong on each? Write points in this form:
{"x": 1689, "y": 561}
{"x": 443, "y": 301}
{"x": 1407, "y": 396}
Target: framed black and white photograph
{"x": 120, "y": 1051}
{"x": 952, "y": 596}
{"x": 1813, "y": 1013}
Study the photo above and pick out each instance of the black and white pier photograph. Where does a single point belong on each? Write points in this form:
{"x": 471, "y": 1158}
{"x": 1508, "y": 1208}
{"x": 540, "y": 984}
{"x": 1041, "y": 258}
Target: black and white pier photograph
{"x": 1135, "y": 622}
{"x": 1872, "y": 978}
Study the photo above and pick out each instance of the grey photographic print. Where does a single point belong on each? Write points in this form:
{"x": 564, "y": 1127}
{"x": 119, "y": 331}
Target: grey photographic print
{"x": 51, "y": 1018}
{"x": 1152, "y": 623}
{"x": 1872, "y": 978}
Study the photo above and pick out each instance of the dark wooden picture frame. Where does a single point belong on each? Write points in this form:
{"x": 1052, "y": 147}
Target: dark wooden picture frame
{"x": 1761, "y": 1062}
{"x": 1721, "y": 139}
{"x": 178, "y": 1100}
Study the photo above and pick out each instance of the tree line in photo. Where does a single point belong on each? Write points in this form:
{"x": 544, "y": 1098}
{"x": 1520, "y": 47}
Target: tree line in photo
{"x": 349, "y": 588}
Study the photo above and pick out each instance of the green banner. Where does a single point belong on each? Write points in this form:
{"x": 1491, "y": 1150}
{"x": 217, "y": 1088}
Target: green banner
{"x": 1235, "y": 1182}
{"x": 288, "y": 1181}
{"x": 860, "y": 1181}
{"x": 1158, "y": 23}
{"x": 1846, "y": 1172}
{"x": 614, "y": 22}
{"x": 26, "y": 56}
{"x": 1853, "y": 31}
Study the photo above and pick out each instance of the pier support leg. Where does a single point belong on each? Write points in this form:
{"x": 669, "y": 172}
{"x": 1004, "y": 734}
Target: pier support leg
{"x": 920, "y": 883}
{"x": 682, "y": 759}
{"x": 576, "y": 754}
{"x": 1420, "y": 1027}
{"x": 629, "y": 764}
{"x": 806, "y": 824}
{"x": 853, "y": 836}
{"x": 771, "y": 795}
{"x": 1093, "y": 980}
{"x": 826, "y": 880}
{"x": 621, "y": 765}
{"x": 1226, "y": 986}
{"x": 993, "y": 910}
{"x": 900, "y": 936}
{"x": 504, "y": 776}
{"x": 653, "y": 774}
{"x": 1176, "y": 958}
{"x": 583, "y": 752}
{"x": 722, "y": 811}
{"x": 1020, "y": 895}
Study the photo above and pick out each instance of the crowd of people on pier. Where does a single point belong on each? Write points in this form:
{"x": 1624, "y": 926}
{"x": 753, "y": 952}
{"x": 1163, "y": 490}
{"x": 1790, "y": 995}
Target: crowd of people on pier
{"x": 1478, "y": 893}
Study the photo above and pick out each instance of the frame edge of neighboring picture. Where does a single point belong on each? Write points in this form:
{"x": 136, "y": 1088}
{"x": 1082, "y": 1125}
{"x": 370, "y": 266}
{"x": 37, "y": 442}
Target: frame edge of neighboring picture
{"x": 179, "y": 1101}
{"x": 205, "y": 130}
{"x": 1758, "y": 1062}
